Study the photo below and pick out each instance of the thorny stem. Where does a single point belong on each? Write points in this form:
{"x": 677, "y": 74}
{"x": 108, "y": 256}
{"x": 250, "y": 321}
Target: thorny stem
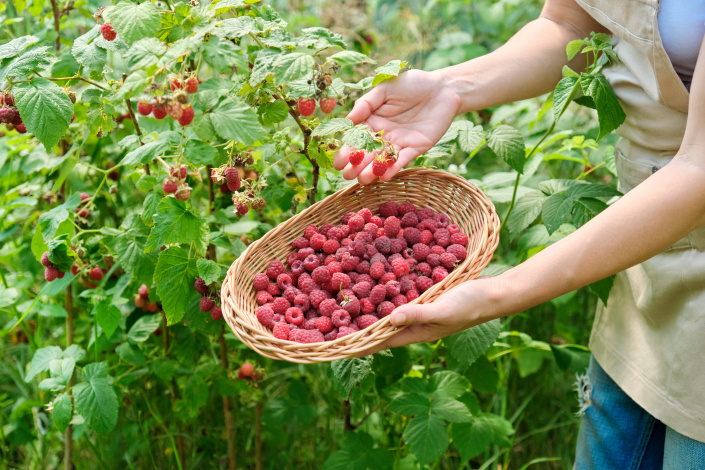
{"x": 307, "y": 140}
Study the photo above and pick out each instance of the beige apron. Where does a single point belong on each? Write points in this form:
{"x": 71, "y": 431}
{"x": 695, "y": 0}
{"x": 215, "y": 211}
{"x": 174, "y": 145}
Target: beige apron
{"x": 650, "y": 338}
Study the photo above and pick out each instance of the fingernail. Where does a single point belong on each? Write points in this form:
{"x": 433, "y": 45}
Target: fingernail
{"x": 398, "y": 319}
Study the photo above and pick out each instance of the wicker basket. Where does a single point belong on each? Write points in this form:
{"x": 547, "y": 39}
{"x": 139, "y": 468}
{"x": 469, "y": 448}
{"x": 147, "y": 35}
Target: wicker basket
{"x": 443, "y": 192}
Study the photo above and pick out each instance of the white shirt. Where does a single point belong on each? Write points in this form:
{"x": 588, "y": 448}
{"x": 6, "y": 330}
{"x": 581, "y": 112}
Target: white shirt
{"x": 681, "y": 24}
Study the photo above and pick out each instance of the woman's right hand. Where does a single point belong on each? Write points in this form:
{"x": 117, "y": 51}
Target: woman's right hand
{"x": 414, "y": 110}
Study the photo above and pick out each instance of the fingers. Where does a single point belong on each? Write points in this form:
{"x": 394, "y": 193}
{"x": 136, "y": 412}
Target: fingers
{"x": 351, "y": 172}
{"x": 368, "y": 104}
{"x": 342, "y": 157}
{"x": 413, "y": 314}
{"x": 404, "y": 157}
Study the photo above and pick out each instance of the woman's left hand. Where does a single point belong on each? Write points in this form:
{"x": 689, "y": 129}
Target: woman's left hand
{"x": 464, "y": 306}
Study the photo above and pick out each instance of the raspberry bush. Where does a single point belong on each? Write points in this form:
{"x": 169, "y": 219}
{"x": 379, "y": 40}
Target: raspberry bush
{"x": 143, "y": 146}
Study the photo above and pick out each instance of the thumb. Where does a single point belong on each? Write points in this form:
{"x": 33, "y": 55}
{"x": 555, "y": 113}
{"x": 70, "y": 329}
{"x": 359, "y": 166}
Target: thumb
{"x": 412, "y": 314}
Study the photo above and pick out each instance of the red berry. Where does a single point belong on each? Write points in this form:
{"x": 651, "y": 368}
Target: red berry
{"x": 7, "y": 99}
{"x": 175, "y": 84}
{"x": 242, "y": 209}
{"x": 186, "y": 116}
{"x": 45, "y": 260}
{"x": 457, "y": 250}
{"x": 327, "y": 307}
{"x": 175, "y": 110}
{"x": 281, "y": 331}
{"x": 280, "y": 305}
{"x": 144, "y": 291}
{"x": 364, "y": 321}
{"x": 145, "y": 109}
{"x": 378, "y": 294}
{"x": 284, "y": 281}
{"x": 324, "y": 324}
{"x": 356, "y": 223}
{"x": 448, "y": 260}
{"x": 356, "y": 157}
{"x": 216, "y": 313}
{"x": 327, "y": 105}
{"x": 191, "y": 85}
{"x": 377, "y": 270}
{"x": 108, "y": 32}
{"x": 321, "y": 275}
{"x": 274, "y": 269}
{"x": 169, "y": 186}
{"x": 439, "y": 273}
{"x": 96, "y": 274}
{"x": 263, "y": 297}
{"x": 340, "y": 318}
{"x": 309, "y": 336}
{"x": 385, "y": 308}
{"x": 51, "y": 273}
{"x": 380, "y": 166}
{"x": 294, "y": 316}
{"x": 306, "y": 106}
{"x": 246, "y": 370}
{"x": 260, "y": 282}
{"x": 158, "y": 111}
{"x": 206, "y": 304}
{"x": 265, "y": 315}
{"x": 423, "y": 283}
{"x": 75, "y": 269}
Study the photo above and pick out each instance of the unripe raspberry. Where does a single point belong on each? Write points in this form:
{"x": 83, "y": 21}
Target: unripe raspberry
{"x": 175, "y": 110}
{"x": 152, "y": 307}
{"x": 191, "y": 85}
{"x": 140, "y": 302}
{"x": 108, "y": 32}
{"x": 327, "y": 105}
{"x": 206, "y": 304}
{"x": 246, "y": 370}
{"x": 186, "y": 116}
{"x": 181, "y": 96}
{"x": 306, "y": 106}
{"x": 96, "y": 274}
{"x": 145, "y": 109}
{"x": 183, "y": 193}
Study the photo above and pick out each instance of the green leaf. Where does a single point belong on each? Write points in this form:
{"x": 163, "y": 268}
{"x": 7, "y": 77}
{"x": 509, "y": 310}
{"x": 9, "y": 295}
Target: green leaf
{"x": 574, "y": 48}
{"x": 571, "y": 356}
{"x": 143, "y": 328}
{"x": 41, "y": 360}
{"x": 174, "y": 276}
{"x": 358, "y": 453}
{"x": 426, "y": 437}
{"x": 45, "y": 109}
{"x": 475, "y": 437}
{"x": 223, "y": 55}
{"x": 208, "y": 270}
{"x": 235, "y": 120}
{"x": 609, "y": 112}
{"x": 87, "y": 53}
{"x": 507, "y": 143}
{"x": 32, "y": 61}
{"x": 410, "y": 404}
{"x": 16, "y": 46}
{"x": 233, "y": 28}
{"x": 470, "y": 136}
{"x": 58, "y": 254}
{"x": 348, "y": 372}
{"x": 343, "y": 58}
{"x": 556, "y": 211}
{"x": 331, "y": 126}
{"x": 468, "y": 345}
{"x": 289, "y": 67}
{"x": 175, "y": 223}
{"x": 133, "y": 22}
{"x": 144, "y": 53}
{"x": 108, "y": 317}
{"x": 200, "y": 153}
{"x": 131, "y": 354}
{"x": 603, "y": 287}
{"x": 390, "y": 70}
{"x": 449, "y": 384}
{"x": 133, "y": 85}
{"x": 526, "y": 210}
{"x": 273, "y": 112}
{"x": 359, "y": 137}
{"x": 566, "y": 90}
{"x": 451, "y": 410}
{"x": 591, "y": 190}
{"x": 95, "y": 398}
{"x": 146, "y": 153}
{"x": 130, "y": 247}
{"x": 61, "y": 411}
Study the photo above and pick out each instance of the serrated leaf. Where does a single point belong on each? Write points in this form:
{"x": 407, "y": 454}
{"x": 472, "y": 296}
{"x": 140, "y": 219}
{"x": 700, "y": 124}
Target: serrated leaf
{"x": 174, "y": 276}
{"x": 95, "y": 398}
{"x": 451, "y": 410}
{"x": 556, "y": 211}
{"x": 133, "y": 21}
{"x": 131, "y": 354}
{"x": 359, "y": 137}
{"x": 31, "y": 61}
{"x": 331, "y": 126}
{"x": 566, "y": 90}
{"x": 143, "y": 328}
{"x": 449, "y": 384}
{"x": 87, "y": 52}
{"x": 426, "y": 437}
{"x": 475, "y": 437}
{"x": 146, "y": 153}
{"x": 144, "y": 53}
{"x": 410, "y": 404}
{"x": 41, "y": 360}
{"x": 358, "y": 453}
{"x": 135, "y": 83}
{"x": 200, "y": 153}
{"x": 468, "y": 345}
{"x": 390, "y": 70}
{"x": 526, "y": 210}
{"x": 233, "y": 28}
{"x": 470, "y": 137}
{"x": 208, "y": 270}
{"x": 59, "y": 253}
{"x": 45, "y": 109}
{"x": 350, "y": 58}
{"x": 290, "y": 67}
{"x": 62, "y": 409}
{"x": 175, "y": 223}
{"x": 273, "y": 112}
{"x": 592, "y": 190}
{"x": 223, "y": 55}
{"x": 108, "y": 317}
{"x": 235, "y": 120}
{"x": 508, "y": 144}
{"x": 52, "y": 221}
{"x": 16, "y": 46}
{"x": 609, "y": 112}
{"x": 348, "y": 372}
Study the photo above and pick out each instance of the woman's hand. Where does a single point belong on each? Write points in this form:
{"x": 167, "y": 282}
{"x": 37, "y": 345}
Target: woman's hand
{"x": 462, "y": 307}
{"x": 414, "y": 110}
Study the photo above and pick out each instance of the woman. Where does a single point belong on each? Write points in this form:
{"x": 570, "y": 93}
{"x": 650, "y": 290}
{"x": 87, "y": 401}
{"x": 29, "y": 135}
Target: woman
{"x": 647, "y": 374}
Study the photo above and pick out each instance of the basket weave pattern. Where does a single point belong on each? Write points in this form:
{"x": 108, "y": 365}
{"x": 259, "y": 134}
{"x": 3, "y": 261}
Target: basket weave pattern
{"x": 443, "y": 192}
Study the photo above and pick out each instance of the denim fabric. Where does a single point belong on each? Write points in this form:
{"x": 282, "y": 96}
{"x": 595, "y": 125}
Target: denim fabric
{"x": 617, "y": 434}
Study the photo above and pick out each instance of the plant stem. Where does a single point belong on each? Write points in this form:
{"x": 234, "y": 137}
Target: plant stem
{"x": 68, "y": 434}
{"x": 57, "y": 28}
{"x": 346, "y": 416}
{"x": 227, "y": 406}
{"x": 258, "y": 435}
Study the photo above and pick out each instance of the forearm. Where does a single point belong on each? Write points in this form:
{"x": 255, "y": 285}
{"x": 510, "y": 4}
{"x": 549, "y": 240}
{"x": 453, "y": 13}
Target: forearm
{"x": 644, "y": 222}
{"x": 528, "y": 65}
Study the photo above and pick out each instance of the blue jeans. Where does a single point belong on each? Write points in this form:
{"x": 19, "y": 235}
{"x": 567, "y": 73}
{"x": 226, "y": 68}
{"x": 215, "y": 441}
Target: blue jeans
{"x": 617, "y": 434}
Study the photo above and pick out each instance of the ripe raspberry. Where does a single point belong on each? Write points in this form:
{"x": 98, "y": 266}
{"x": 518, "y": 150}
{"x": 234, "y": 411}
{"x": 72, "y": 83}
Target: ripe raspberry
{"x": 413, "y": 294}
{"x": 302, "y": 254}
{"x": 96, "y": 274}
{"x": 336, "y": 233}
{"x": 281, "y": 331}
{"x": 458, "y": 251}
{"x": 45, "y": 260}
{"x": 387, "y": 277}
{"x": 294, "y": 316}
{"x": 302, "y": 302}
{"x": 260, "y": 282}
{"x": 158, "y": 111}
{"x": 108, "y": 32}
{"x": 405, "y": 285}
{"x": 306, "y": 106}
{"x": 341, "y": 318}
{"x": 356, "y": 157}
{"x": 380, "y": 166}
{"x": 144, "y": 291}
{"x": 311, "y": 262}
{"x": 284, "y": 281}
{"x": 344, "y": 331}
{"x": 191, "y": 85}
{"x": 363, "y": 321}
{"x": 392, "y": 226}
{"x": 21, "y": 128}
{"x": 425, "y": 213}
{"x": 406, "y": 207}
{"x": 448, "y": 260}
{"x": 327, "y": 105}
{"x": 280, "y": 305}
{"x": 242, "y": 209}
{"x": 439, "y": 273}
{"x": 75, "y": 269}
{"x": 265, "y": 315}
{"x": 145, "y": 109}
{"x": 274, "y": 269}
{"x": 175, "y": 84}
{"x": 393, "y": 289}
{"x": 324, "y": 324}
{"x": 183, "y": 193}
{"x": 310, "y": 231}
{"x": 331, "y": 246}
{"x": 424, "y": 268}
{"x": 263, "y": 297}
{"x": 316, "y": 241}
{"x": 442, "y": 219}
{"x": 340, "y": 281}
{"x": 169, "y": 186}
{"x": 378, "y": 294}
{"x": 377, "y": 270}
{"x": 397, "y": 245}
{"x": 316, "y": 297}
{"x": 426, "y": 237}
{"x": 327, "y": 307}
{"x": 297, "y": 268}
{"x": 321, "y": 275}
{"x": 412, "y": 236}
{"x": 291, "y": 293}
{"x": 362, "y": 289}
{"x": 356, "y": 223}
{"x": 385, "y": 308}
{"x": 423, "y": 283}
{"x": 216, "y": 313}
{"x": 367, "y": 307}
{"x": 324, "y": 229}
{"x": 232, "y": 178}
{"x": 7, "y": 99}
{"x": 399, "y": 300}
{"x": 309, "y": 336}
{"x": 331, "y": 335}
{"x": 206, "y": 304}
{"x": 421, "y": 251}
{"x": 410, "y": 219}
{"x": 186, "y": 116}
{"x": 300, "y": 243}
{"x": 175, "y": 110}
{"x": 51, "y": 273}
{"x": 442, "y": 237}
{"x": 388, "y": 209}
{"x": 433, "y": 260}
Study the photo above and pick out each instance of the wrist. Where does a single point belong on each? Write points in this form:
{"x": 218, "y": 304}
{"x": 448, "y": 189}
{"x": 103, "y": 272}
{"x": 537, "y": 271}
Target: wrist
{"x": 454, "y": 85}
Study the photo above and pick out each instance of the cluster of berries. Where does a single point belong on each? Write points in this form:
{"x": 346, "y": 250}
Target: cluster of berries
{"x": 9, "y": 115}
{"x": 108, "y": 32}
{"x": 142, "y": 300}
{"x": 176, "y": 184}
{"x": 173, "y": 105}
{"x": 207, "y": 303}
{"x": 308, "y": 105}
{"x": 229, "y": 179}
{"x": 50, "y": 271}
{"x": 381, "y": 163}
{"x": 247, "y": 371}
{"x": 343, "y": 278}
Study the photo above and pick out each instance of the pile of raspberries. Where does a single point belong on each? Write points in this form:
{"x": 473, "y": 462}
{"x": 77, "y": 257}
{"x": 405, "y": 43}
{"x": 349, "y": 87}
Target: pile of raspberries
{"x": 343, "y": 278}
